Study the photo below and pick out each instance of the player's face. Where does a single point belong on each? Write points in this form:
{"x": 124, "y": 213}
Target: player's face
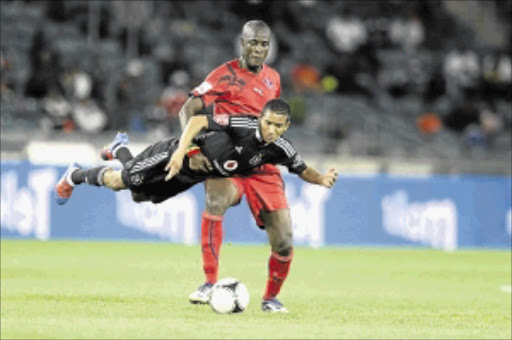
{"x": 273, "y": 125}
{"x": 255, "y": 46}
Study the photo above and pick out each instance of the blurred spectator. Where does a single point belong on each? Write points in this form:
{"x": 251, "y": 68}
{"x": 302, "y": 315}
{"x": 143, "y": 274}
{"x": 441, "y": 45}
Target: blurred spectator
{"x": 346, "y": 33}
{"x": 305, "y": 77}
{"x": 462, "y": 116}
{"x": 346, "y": 69}
{"x": 497, "y": 76}
{"x": 298, "y": 110}
{"x": 336, "y": 130}
{"x": 5, "y": 66}
{"x": 407, "y": 33}
{"x": 462, "y": 71}
{"x": 429, "y": 123}
{"x": 45, "y": 65}
{"x": 89, "y": 117}
{"x": 58, "y": 111}
{"x": 130, "y": 98}
{"x": 477, "y": 125}
{"x": 174, "y": 96}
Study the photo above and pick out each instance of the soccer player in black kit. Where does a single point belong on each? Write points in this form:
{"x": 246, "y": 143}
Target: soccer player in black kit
{"x": 234, "y": 147}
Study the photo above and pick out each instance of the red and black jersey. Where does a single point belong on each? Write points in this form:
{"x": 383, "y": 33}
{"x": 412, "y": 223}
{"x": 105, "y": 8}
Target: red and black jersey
{"x": 236, "y": 91}
{"x": 237, "y": 148}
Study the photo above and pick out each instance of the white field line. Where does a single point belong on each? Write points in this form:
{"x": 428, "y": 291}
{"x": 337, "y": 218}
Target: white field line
{"x": 506, "y": 289}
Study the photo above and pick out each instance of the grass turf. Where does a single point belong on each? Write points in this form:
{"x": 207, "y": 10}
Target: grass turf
{"x": 109, "y": 290}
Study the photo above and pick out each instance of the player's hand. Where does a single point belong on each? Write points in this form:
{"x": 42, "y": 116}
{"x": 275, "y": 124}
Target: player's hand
{"x": 175, "y": 164}
{"x": 329, "y": 178}
{"x": 199, "y": 162}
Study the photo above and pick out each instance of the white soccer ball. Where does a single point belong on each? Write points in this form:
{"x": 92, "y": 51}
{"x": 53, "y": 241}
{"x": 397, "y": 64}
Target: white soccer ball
{"x": 229, "y": 295}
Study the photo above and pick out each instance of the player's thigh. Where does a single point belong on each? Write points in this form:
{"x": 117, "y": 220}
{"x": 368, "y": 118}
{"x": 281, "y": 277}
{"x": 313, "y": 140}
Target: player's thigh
{"x": 277, "y": 221}
{"x": 220, "y": 194}
{"x": 112, "y": 179}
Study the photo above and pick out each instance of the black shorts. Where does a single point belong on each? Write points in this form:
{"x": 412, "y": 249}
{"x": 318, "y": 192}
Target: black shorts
{"x": 145, "y": 173}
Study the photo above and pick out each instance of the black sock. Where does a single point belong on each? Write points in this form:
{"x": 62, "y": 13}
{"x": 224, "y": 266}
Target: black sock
{"x": 78, "y": 176}
{"x": 91, "y": 176}
{"x": 124, "y": 155}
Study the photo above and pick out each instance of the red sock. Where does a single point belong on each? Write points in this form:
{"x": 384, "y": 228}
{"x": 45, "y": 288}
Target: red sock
{"x": 211, "y": 239}
{"x": 278, "y": 267}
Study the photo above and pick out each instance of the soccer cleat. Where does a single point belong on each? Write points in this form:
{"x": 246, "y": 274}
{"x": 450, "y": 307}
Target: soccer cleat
{"x": 202, "y": 295}
{"x": 273, "y": 306}
{"x": 64, "y": 187}
{"x": 107, "y": 154}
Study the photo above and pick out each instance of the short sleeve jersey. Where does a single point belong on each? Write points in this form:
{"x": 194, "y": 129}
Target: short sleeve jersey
{"x": 238, "y": 92}
{"x": 237, "y": 148}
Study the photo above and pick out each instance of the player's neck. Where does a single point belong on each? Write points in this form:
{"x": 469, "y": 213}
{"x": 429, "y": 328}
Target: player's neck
{"x": 243, "y": 64}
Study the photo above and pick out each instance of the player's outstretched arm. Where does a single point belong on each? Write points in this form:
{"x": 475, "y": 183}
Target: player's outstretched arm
{"x": 311, "y": 175}
{"x": 193, "y": 105}
{"x": 194, "y": 125}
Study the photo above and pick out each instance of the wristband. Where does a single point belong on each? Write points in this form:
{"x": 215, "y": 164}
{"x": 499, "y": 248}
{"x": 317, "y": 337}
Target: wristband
{"x": 193, "y": 149}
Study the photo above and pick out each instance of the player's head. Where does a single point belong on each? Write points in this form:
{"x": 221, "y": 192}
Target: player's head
{"x": 274, "y": 120}
{"x": 255, "y": 41}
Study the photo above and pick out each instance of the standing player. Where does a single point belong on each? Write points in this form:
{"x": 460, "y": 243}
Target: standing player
{"x": 242, "y": 87}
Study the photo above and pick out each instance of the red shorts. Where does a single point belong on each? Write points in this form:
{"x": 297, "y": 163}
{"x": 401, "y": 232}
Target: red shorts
{"x": 264, "y": 190}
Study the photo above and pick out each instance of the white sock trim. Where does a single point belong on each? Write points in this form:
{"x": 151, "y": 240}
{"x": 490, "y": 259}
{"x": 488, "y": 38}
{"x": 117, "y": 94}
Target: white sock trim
{"x": 68, "y": 177}
{"x": 114, "y": 151}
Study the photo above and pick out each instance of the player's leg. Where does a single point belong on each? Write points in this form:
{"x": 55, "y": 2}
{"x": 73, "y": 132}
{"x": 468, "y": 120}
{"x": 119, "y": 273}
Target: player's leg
{"x": 279, "y": 231}
{"x": 96, "y": 176}
{"x": 267, "y": 201}
{"x": 220, "y": 194}
{"x": 118, "y": 149}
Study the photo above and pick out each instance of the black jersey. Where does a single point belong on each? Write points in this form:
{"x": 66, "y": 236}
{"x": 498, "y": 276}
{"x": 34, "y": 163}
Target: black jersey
{"x": 236, "y": 148}
{"x": 233, "y": 149}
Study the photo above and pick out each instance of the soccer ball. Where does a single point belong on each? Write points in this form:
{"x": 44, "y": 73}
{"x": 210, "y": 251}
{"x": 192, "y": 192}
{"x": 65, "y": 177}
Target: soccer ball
{"x": 229, "y": 295}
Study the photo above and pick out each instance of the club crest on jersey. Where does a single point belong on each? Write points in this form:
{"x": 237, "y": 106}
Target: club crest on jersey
{"x": 230, "y": 165}
{"x": 255, "y": 160}
{"x": 268, "y": 83}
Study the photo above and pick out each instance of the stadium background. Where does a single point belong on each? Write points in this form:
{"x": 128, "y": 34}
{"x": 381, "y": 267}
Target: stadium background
{"x": 418, "y": 90}
{"x": 410, "y": 100}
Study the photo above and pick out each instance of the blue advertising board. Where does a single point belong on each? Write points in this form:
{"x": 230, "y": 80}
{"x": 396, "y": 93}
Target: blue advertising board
{"x": 445, "y": 212}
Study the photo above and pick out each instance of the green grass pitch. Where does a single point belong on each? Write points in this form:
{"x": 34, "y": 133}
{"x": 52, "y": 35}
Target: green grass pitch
{"x": 99, "y": 290}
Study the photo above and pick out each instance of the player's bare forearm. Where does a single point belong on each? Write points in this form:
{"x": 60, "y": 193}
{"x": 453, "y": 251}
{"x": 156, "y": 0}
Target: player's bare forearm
{"x": 192, "y": 106}
{"x": 311, "y": 175}
{"x": 194, "y": 125}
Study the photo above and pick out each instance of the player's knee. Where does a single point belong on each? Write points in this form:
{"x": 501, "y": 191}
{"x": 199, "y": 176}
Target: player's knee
{"x": 285, "y": 245}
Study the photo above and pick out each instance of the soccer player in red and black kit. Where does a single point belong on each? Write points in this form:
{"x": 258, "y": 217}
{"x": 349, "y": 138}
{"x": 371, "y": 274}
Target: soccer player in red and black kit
{"x": 241, "y": 87}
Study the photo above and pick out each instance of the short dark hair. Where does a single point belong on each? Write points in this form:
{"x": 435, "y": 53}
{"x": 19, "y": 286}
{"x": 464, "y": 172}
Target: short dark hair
{"x": 278, "y": 106}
